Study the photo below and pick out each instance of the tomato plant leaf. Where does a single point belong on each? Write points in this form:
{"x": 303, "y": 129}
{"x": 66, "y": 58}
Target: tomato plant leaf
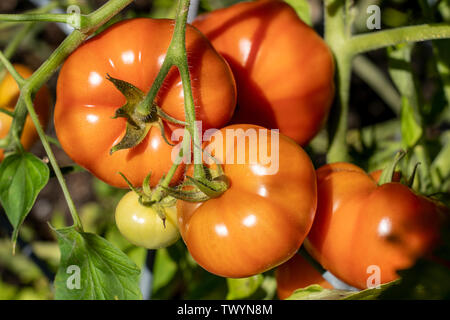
{"x": 91, "y": 268}
{"x": 243, "y": 287}
{"x": 401, "y": 73}
{"x": 164, "y": 269}
{"x": 22, "y": 177}
{"x": 316, "y": 292}
{"x": 372, "y": 293}
{"x": 302, "y": 8}
{"x": 411, "y": 130}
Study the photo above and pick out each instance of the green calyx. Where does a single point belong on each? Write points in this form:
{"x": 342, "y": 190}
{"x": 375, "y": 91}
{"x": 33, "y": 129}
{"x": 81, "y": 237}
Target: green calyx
{"x": 210, "y": 186}
{"x": 138, "y": 124}
{"x": 152, "y": 198}
{"x": 387, "y": 175}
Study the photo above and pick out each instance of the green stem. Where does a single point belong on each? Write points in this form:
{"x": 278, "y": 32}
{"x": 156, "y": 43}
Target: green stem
{"x": 45, "y": 71}
{"x": 14, "y": 44}
{"x": 176, "y": 56}
{"x": 159, "y": 193}
{"x": 47, "y": 17}
{"x": 376, "y": 79}
{"x": 426, "y": 183}
{"x": 47, "y": 8}
{"x": 380, "y": 39}
{"x": 7, "y": 112}
{"x": 17, "y": 77}
{"x": 40, "y": 76}
{"x": 336, "y": 35}
{"x": 51, "y": 157}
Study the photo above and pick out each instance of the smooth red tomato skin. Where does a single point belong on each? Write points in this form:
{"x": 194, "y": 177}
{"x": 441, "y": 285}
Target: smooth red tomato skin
{"x": 133, "y": 51}
{"x": 260, "y": 221}
{"x": 283, "y": 69}
{"x": 359, "y": 224}
{"x": 9, "y": 93}
{"x": 297, "y": 273}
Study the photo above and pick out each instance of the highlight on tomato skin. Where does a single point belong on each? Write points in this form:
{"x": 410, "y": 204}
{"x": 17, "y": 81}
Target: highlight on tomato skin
{"x": 87, "y": 101}
{"x": 295, "y": 274}
{"x": 9, "y": 94}
{"x": 262, "y": 219}
{"x": 360, "y": 225}
{"x": 284, "y": 70}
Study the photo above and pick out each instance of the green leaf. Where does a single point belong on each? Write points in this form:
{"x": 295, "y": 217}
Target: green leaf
{"x": 91, "y": 268}
{"x": 411, "y": 129}
{"x": 22, "y": 177}
{"x": 302, "y": 8}
{"x": 371, "y": 294}
{"x": 164, "y": 269}
{"x": 243, "y": 287}
{"x": 316, "y": 292}
{"x": 402, "y": 74}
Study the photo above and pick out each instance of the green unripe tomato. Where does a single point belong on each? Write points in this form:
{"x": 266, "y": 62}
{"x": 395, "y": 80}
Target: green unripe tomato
{"x": 142, "y": 226}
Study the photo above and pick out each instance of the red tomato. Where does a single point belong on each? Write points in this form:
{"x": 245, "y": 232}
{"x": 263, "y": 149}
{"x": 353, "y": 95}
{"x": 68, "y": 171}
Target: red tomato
{"x": 283, "y": 69}
{"x": 9, "y": 93}
{"x": 263, "y": 218}
{"x": 134, "y": 51}
{"x": 359, "y": 225}
{"x": 297, "y": 273}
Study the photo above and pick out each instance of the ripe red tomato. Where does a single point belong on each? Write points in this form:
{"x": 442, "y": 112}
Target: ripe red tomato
{"x": 283, "y": 69}
{"x": 359, "y": 224}
{"x": 134, "y": 51}
{"x": 263, "y": 218}
{"x": 9, "y": 93}
{"x": 297, "y": 273}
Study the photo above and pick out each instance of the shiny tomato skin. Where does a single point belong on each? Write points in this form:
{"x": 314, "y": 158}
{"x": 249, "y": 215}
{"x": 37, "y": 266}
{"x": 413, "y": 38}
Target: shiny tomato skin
{"x": 133, "y": 51}
{"x": 9, "y": 94}
{"x": 359, "y": 224}
{"x": 297, "y": 273}
{"x": 283, "y": 69}
{"x": 262, "y": 219}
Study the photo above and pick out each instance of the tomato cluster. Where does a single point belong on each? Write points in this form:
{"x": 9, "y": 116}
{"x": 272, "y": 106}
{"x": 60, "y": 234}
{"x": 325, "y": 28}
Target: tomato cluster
{"x": 359, "y": 224}
{"x": 254, "y": 66}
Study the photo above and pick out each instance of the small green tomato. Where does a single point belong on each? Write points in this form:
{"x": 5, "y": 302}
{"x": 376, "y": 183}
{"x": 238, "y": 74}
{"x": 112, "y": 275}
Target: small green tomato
{"x": 142, "y": 226}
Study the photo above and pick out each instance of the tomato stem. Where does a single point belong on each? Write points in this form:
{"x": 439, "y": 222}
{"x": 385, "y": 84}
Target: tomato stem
{"x": 381, "y": 39}
{"x": 17, "y": 77}
{"x": 345, "y": 46}
{"x": 52, "y": 159}
{"x": 14, "y": 44}
{"x": 48, "y": 17}
{"x": 176, "y": 56}
{"x": 32, "y": 84}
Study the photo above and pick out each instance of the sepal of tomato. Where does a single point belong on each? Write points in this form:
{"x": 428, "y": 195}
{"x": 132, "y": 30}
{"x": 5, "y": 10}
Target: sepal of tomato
{"x": 263, "y": 218}
{"x": 284, "y": 70}
{"x": 359, "y": 224}
{"x": 9, "y": 94}
{"x": 133, "y": 51}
